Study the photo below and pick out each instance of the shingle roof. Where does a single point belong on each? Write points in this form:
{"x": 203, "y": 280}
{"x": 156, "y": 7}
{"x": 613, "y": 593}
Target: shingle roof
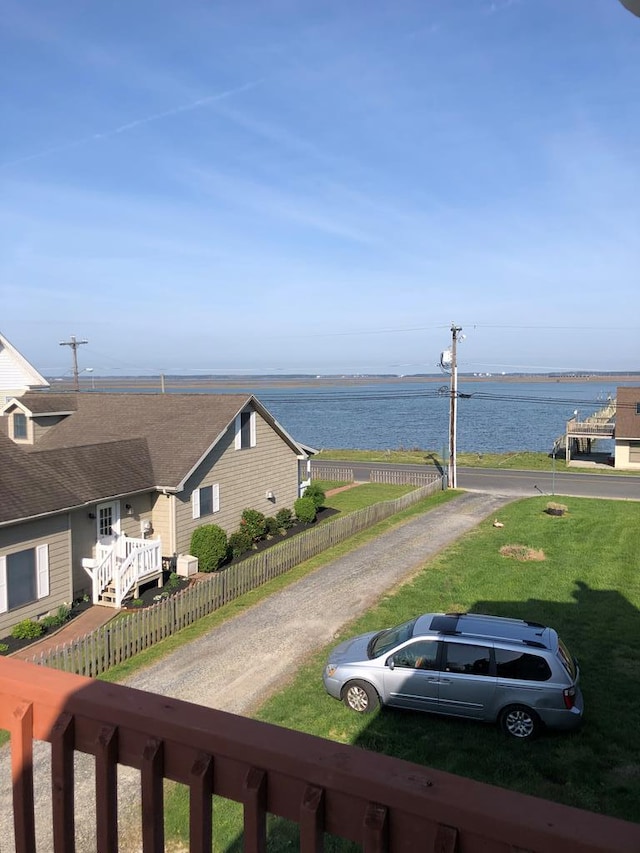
{"x": 627, "y": 421}
{"x": 178, "y": 428}
{"x": 112, "y": 444}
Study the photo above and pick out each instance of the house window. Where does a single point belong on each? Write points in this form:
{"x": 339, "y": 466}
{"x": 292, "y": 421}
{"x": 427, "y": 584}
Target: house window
{"x": 637, "y": 408}
{"x": 19, "y": 426}
{"x": 245, "y": 430}
{"x": 24, "y": 577}
{"x": 634, "y": 451}
{"x": 205, "y": 501}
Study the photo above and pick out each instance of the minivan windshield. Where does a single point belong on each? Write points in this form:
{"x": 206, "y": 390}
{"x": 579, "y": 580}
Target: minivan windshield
{"x": 386, "y": 640}
{"x": 567, "y": 660}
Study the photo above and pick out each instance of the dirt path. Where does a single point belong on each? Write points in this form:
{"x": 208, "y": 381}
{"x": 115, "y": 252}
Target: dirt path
{"x": 287, "y": 627}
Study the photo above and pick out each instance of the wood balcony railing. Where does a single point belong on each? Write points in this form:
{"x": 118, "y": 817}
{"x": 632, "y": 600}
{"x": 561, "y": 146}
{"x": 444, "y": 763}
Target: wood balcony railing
{"x": 591, "y": 428}
{"x": 379, "y": 802}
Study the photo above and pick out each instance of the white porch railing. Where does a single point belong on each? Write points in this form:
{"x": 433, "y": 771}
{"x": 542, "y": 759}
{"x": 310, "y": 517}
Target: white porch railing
{"x": 122, "y": 566}
{"x": 141, "y": 561}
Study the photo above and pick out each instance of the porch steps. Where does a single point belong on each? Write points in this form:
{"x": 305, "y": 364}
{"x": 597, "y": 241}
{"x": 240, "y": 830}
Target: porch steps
{"x": 108, "y": 597}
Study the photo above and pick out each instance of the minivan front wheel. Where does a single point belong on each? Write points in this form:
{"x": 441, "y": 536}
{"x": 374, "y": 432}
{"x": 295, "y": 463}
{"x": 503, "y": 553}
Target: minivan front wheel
{"x": 519, "y": 722}
{"x": 360, "y": 697}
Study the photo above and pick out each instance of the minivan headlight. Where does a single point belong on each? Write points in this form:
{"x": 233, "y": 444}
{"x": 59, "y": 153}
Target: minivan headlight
{"x": 330, "y": 669}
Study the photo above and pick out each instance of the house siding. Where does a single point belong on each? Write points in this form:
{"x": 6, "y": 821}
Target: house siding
{"x": 55, "y": 533}
{"x": 244, "y": 477}
{"x": 623, "y": 453}
{"x": 40, "y": 425}
{"x": 161, "y": 517}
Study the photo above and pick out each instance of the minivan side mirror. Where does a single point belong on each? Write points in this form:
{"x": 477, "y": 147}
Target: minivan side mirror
{"x": 391, "y": 663}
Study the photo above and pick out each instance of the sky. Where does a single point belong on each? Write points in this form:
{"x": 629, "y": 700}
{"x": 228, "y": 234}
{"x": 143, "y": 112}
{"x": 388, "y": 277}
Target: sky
{"x": 295, "y": 186}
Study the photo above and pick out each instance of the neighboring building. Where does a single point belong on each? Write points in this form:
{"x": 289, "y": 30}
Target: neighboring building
{"x": 16, "y": 374}
{"x": 96, "y": 489}
{"x": 627, "y": 430}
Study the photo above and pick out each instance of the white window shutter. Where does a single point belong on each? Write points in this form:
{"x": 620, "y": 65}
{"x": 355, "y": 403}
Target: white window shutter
{"x": 195, "y": 503}
{"x": 3, "y": 585}
{"x": 42, "y": 570}
{"x": 252, "y": 427}
{"x": 216, "y": 497}
{"x": 238, "y": 432}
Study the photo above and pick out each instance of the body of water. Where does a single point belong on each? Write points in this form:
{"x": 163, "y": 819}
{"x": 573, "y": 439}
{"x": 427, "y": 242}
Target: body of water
{"x": 493, "y": 417}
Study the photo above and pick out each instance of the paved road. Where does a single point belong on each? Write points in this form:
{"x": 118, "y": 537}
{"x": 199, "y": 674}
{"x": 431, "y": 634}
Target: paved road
{"x": 510, "y": 482}
{"x": 287, "y": 627}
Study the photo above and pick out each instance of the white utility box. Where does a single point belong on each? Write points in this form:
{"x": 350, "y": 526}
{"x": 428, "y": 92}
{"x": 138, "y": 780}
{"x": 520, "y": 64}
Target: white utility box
{"x": 187, "y": 565}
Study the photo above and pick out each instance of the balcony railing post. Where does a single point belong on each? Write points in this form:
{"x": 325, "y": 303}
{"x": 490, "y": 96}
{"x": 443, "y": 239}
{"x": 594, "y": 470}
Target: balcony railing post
{"x": 62, "y": 791}
{"x": 153, "y": 796}
{"x": 255, "y": 811}
{"x": 200, "y": 805}
{"x": 22, "y": 777}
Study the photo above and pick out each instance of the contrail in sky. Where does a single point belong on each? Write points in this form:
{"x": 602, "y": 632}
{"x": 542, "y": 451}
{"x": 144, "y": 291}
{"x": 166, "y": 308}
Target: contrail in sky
{"x": 194, "y": 105}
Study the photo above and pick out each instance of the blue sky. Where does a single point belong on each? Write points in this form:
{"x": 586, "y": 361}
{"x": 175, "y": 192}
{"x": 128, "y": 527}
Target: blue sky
{"x": 295, "y": 186}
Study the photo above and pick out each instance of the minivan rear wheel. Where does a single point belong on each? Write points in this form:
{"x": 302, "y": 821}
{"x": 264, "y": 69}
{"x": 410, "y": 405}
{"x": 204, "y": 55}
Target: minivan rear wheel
{"x": 360, "y": 697}
{"x": 520, "y": 722}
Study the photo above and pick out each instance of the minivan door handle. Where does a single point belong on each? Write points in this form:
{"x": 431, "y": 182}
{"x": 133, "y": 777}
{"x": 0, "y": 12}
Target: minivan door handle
{"x": 445, "y": 681}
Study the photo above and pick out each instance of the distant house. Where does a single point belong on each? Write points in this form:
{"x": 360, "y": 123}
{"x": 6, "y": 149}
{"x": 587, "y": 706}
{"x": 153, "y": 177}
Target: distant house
{"x": 16, "y": 374}
{"x": 627, "y": 429}
{"x": 96, "y": 489}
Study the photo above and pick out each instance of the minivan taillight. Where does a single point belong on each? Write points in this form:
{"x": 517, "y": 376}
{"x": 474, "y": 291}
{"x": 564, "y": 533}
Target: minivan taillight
{"x": 569, "y": 696}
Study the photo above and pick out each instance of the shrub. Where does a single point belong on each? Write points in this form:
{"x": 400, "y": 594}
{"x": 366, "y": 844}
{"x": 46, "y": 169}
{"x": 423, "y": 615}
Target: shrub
{"x": 49, "y": 622}
{"x": 174, "y": 581}
{"x": 305, "y": 509}
{"x": 316, "y": 493}
{"x": 63, "y": 614}
{"x": 209, "y": 544}
{"x": 284, "y": 518}
{"x": 271, "y": 525}
{"x": 4, "y": 647}
{"x": 239, "y": 543}
{"x": 28, "y": 629}
{"x": 254, "y": 523}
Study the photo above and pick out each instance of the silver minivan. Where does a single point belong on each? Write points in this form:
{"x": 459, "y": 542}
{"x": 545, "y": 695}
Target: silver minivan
{"x": 489, "y": 668}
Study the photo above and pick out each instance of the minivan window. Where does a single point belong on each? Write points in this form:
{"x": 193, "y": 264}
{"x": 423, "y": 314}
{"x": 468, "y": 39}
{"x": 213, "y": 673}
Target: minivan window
{"x": 567, "y": 660}
{"x": 516, "y": 664}
{"x": 386, "y": 640}
{"x": 467, "y": 659}
{"x": 420, "y": 655}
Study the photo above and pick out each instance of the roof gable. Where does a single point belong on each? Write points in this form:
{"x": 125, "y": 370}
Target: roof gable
{"x": 16, "y": 373}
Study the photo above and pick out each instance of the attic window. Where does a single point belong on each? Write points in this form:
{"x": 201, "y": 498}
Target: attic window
{"x": 19, "y": 426}
{"x": 245, "y": 430}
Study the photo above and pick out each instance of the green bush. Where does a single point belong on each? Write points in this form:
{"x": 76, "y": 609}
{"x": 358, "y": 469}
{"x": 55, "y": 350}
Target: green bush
{"x": 63, "y": 614}
{"x": 305, "y": 509}
{"x": 271, "y": 526}
{"x": 239, "y": 543}
{"x": 4, "y": 647}
{"x": 316, "y": 493}
{"x": 254, "y": 523}
{"x": 284, "y": 518}
{"x": 209, "y": 544}
{"x": 28, "y": 629}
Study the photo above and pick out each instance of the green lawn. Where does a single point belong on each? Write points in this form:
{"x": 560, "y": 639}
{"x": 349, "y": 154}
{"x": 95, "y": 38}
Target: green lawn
{"x": 524, "y": 460}
{"x": 587, "y": 587}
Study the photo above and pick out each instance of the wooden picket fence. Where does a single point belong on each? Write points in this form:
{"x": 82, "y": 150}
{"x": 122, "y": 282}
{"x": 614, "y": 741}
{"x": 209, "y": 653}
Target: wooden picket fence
{"x": 127, "y": 635}
{"x": 396, "y": 477}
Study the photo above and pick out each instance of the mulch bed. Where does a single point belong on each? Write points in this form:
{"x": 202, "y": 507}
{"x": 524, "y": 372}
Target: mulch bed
{"x": 151, "y": 593}
{"x": 15, "y": 645}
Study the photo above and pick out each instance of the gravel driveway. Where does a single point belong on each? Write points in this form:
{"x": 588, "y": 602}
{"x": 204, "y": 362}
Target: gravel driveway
{"x": 287, "y": 627}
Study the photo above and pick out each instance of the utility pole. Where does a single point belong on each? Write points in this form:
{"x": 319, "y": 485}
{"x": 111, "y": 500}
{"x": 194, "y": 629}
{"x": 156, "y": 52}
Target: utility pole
{"x": 74, "y": 344}
{"x": 453, "y": 408}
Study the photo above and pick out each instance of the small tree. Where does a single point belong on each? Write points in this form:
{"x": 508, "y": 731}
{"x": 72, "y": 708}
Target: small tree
{"x": 305, "y": 509}
{"x": 254, "y": 523}
{"x": 316, "y": 493}
{"x": 209, "y": 544}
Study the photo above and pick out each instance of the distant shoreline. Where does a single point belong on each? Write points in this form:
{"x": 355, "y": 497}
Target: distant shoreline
{"x": 154, "y": 383}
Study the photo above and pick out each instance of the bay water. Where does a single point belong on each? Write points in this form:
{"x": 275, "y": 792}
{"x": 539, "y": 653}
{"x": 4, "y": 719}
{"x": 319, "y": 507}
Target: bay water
{"x": 493, "y": 416}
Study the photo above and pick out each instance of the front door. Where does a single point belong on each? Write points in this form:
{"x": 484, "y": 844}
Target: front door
{"x": 108, "y": 523}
